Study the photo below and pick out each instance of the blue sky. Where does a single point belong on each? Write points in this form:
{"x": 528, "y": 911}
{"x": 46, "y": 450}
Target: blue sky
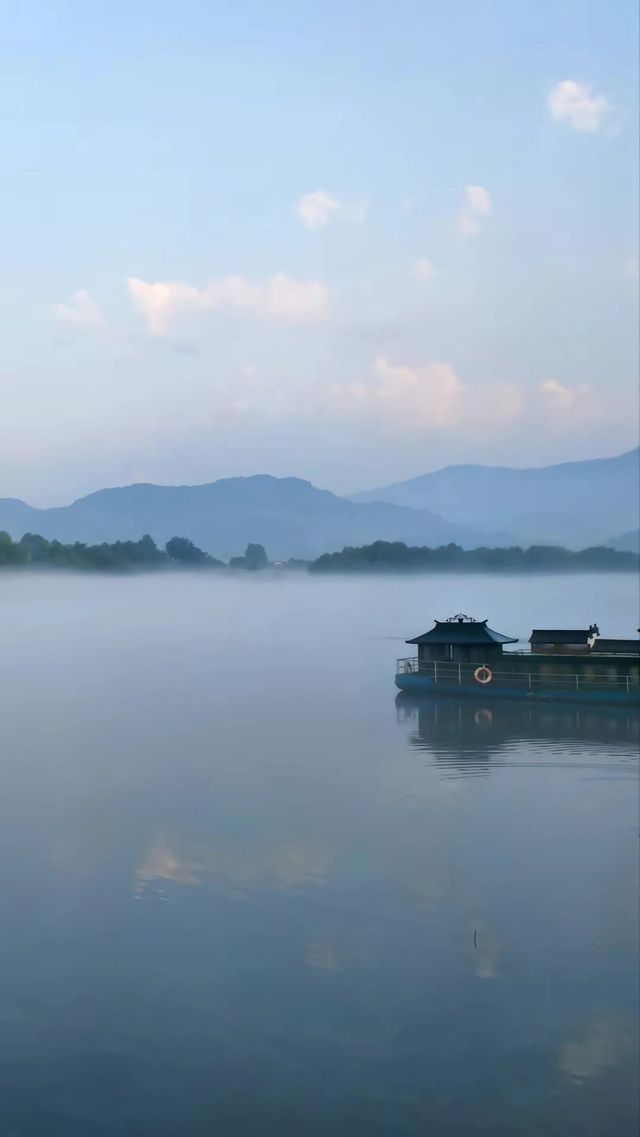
{"x": 352, "y": 242}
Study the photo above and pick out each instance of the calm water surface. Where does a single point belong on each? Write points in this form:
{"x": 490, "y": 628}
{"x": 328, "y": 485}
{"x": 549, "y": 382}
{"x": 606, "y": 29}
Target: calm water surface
{"x": 245, "y": 891}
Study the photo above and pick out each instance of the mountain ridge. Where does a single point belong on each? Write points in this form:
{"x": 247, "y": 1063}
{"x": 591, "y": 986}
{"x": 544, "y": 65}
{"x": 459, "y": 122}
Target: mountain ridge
{"x": 579, "y": 502}
{"x": 571, "y": 503}
{"x": 626, "y": 542}
{"x": 290, "y": 516}
{"x": 574, "y": 462}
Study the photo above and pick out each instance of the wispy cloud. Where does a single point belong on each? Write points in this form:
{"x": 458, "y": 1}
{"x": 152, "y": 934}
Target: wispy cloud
{"x": 81, "y": 312}
{"x": 319, "y": 208}
{"x": 578, "y": 105}
{"x": 422, "y": 270}
{"x": 280, "y": 299}
{"x": 560, "y": 397}
{"x": 432, "y": 397}
{"x": 428, "y": 396}
{"x": 563, "y": 404}
{"x": 477, "y": 206}
{"x": 432, "y": 392}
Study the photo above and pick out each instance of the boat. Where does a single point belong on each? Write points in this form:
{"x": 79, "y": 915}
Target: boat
{"x": 464, "y": 656}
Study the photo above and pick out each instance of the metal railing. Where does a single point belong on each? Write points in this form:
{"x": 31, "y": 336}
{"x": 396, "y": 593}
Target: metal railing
{"x": 450, "y": 673}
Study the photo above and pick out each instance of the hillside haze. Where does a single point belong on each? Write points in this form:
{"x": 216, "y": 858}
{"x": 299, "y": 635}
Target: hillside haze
{"x": 289, "y": 516}
{"x": 574, "y": 503}
{"x": 626, "y": 542}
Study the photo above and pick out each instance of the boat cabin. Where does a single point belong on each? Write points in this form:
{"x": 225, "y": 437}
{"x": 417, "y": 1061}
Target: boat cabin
{"x": 461, "y": 639}
{"x": 616, "y": 647}
{"x": 463, "y": 656}
{"x": 561, "y": 641}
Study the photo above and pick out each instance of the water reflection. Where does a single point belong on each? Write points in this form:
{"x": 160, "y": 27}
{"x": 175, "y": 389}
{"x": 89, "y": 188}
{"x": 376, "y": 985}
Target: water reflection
{"x": 323, "y": 955}
{"x": 286, "y": 865}
{"x": 332, "y": 930}
{"x": 468, "y": 736}
{"x": 601, "y": 1046}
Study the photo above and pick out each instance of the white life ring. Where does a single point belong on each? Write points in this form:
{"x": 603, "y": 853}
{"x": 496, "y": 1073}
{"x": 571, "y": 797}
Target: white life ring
{"x": 483, "y": 675}
{"x": 483, "y": 717}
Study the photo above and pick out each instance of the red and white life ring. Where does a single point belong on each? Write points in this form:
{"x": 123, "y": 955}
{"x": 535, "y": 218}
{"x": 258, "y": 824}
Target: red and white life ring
{"x": 483, "y": 675}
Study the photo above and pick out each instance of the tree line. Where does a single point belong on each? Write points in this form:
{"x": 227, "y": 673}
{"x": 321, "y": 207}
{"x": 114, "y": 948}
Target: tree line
{"x": 398, "y": 557}
{"x": 35, "y": 551}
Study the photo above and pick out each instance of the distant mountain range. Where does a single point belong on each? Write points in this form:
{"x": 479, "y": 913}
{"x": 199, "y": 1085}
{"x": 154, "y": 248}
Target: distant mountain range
{"x": 290, "y": 517}
{"x": 626, "y": 542}
{"x": 575, "y": 504}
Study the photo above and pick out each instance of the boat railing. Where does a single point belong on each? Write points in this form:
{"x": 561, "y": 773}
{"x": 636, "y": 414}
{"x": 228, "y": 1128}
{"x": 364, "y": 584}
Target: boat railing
{"x": 462, "y": 673}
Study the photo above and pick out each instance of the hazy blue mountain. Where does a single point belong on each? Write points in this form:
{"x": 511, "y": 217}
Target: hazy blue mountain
{"x": 576, "y": 503}
{"x": 290, "y": 517}
{"x": 16, "y": 517}
{"x": 626, "y": 542}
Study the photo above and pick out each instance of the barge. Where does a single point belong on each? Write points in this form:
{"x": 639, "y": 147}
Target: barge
{"x": 464, "y": 656}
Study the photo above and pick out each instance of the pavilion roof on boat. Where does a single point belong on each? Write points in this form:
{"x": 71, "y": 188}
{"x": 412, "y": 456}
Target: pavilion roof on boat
{"x": 463, "y": 630}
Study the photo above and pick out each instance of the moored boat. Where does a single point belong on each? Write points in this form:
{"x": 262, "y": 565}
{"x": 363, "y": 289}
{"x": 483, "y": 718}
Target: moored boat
{"x": 465, "y": 656}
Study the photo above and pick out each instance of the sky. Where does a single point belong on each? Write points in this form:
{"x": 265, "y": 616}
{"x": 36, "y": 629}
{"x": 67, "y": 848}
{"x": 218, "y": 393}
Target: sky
{"x": 353, "y": 241}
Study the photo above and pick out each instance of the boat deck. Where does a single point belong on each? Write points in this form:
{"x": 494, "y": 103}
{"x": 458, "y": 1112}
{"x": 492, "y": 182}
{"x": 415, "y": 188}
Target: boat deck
{"x": 525, "y": 675}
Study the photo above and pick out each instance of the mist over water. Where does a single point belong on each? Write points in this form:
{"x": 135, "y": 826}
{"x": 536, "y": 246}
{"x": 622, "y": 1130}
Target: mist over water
{"x": 245, "y": 890}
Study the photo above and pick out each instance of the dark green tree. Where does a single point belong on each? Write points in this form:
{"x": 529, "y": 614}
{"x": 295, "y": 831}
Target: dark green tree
{"x": 10, "y": 552}
{"x": 395, "y": 556}
{"x": 184, "y": 551}
{"x": 255, "y": 557}
{"x": 36, "y": 548}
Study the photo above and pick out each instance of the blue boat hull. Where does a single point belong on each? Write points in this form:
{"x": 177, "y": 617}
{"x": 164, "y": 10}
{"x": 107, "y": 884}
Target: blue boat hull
{"x": 427, "y": 685}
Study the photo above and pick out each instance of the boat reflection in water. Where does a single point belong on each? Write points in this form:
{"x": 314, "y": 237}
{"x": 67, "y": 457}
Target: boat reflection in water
{"x": 469, "y": 735}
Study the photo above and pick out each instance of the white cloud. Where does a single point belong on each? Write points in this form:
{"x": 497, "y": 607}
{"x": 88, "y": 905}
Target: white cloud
{"x": 578, "y": 105}
{"x": 431, "y": 394}
{"x": 577, "y": 403}
{"x": 423, "y": 396}
{"x": 422, "y": 270}
{"x": 280, "y": 299}
{"x": 161, "y": 303}
{"x": 432, "y": 397}
{"x": 426, "y": 397}
{"x": 82, "y": 312}
{"x": 317, "y": 209}
{"x": 560, "y": 397}
{"x": 477, "y": 206}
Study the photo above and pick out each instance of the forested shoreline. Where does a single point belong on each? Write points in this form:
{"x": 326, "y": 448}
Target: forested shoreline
{"x": 35, "y": 552}
{"x": 395, "y": 556}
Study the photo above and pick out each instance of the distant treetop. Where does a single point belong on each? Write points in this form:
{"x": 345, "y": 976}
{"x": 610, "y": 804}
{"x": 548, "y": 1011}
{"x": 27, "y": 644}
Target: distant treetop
{"x": 396, "y": 556}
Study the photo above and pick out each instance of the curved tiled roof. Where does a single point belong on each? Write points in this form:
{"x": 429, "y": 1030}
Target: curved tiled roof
{"x": 459, "y": 631}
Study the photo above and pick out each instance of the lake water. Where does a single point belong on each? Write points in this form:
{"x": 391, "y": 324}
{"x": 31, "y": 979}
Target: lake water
{"x": 245, "y": 891}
